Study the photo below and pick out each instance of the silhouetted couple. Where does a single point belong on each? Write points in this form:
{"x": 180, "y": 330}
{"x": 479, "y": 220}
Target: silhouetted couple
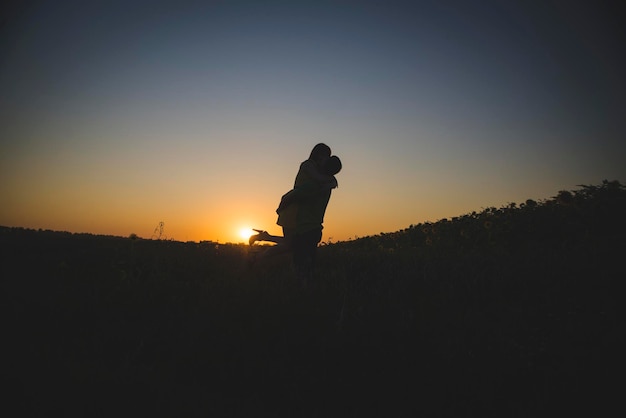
{"x": 301, "y": 212}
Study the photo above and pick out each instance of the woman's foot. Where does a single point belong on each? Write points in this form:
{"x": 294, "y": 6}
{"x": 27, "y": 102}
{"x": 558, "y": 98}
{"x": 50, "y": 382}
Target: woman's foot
{"x": 261, "y": 236}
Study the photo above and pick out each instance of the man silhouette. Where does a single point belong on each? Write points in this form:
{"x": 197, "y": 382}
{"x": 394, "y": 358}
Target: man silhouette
{"x": 301, "y": 212}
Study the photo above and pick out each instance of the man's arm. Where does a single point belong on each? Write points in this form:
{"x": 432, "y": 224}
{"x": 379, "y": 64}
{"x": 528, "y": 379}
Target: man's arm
{"x": 310, "y": 189}
{"x": 300, "y": 193}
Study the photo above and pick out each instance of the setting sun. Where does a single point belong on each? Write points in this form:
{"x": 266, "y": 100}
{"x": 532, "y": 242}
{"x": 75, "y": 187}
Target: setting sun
{"x": 245, "y": 233}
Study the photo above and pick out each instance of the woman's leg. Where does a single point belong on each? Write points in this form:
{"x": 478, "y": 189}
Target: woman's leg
{"x": 265, "y": 236}
{"x": 283, "y": 243}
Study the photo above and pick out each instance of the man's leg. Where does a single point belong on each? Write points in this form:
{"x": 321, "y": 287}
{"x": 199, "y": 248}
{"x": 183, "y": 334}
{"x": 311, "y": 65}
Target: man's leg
{"x": 304, "y": 251}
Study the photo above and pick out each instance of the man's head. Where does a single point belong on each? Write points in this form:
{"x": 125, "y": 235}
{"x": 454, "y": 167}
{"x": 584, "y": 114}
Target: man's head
{"x": 332, "y": 165}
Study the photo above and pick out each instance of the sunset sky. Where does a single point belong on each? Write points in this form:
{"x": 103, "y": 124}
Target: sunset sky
{"x": 117, "y": 115}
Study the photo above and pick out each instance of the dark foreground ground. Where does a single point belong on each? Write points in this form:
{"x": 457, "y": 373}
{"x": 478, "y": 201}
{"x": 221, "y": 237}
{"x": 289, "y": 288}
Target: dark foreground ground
{"x": 510, "y": 312}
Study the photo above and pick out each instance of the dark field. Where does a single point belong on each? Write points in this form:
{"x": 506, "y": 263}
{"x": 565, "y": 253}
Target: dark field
{"x": 509, "y": 312}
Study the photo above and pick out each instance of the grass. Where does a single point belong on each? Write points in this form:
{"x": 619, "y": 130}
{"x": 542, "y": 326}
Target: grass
{"x": 504, "y": 312}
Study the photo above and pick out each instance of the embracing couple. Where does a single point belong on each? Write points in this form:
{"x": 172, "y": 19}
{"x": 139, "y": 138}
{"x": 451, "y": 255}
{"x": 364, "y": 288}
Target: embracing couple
{"x": 301, "y": 212}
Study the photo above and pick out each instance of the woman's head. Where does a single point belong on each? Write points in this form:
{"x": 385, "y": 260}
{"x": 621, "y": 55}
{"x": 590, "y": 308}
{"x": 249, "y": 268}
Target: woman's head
{"x": 320, "y": 153}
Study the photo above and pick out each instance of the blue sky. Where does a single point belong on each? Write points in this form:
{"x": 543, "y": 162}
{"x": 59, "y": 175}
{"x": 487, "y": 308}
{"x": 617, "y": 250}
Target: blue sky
{"x": 118, "y": 115}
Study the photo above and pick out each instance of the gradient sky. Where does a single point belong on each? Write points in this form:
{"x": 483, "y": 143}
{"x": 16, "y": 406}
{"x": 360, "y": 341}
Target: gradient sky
{"x": 115, "y": 116}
